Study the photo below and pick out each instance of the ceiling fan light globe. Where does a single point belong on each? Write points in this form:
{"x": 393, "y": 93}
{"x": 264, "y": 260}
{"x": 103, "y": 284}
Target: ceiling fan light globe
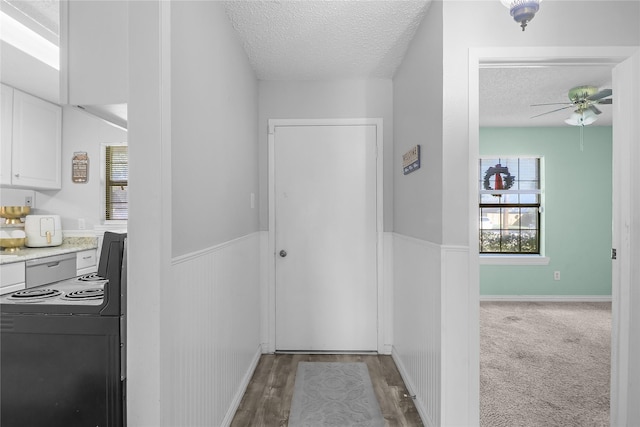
{"x": 581, "y": 119}
{"x": 522, "y": 11}
{"x": 574, "y": 120}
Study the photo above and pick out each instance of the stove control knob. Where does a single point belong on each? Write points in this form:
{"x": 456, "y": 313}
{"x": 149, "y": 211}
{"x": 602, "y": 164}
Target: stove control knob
{"x": 283, "y": 253}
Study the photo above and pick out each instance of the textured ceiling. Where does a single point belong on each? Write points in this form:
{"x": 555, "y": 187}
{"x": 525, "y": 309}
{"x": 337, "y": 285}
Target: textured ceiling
{"x": 506, "y": 94}
{"x": 321, "y": 40}
{"x": 343, "y": 39}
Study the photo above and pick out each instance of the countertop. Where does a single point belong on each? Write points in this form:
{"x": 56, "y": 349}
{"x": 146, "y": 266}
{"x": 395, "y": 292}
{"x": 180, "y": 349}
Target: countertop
{"x": 69, "y": 245}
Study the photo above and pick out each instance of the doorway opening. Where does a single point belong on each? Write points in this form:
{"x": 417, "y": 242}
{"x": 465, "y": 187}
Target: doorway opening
{"x": 544, "y": 57}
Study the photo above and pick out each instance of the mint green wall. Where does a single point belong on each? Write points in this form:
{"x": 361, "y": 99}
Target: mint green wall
{"x": 577, "y": 211}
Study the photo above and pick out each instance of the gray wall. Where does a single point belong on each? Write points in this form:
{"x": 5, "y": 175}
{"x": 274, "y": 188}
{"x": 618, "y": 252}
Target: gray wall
{"x": 322, "y": 100}
{"x": 214, "y": 119}
{"x": 417, "y": 103}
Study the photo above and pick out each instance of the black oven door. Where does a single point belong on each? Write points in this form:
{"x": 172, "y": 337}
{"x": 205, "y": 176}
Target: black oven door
{"x": 60, "y": 371}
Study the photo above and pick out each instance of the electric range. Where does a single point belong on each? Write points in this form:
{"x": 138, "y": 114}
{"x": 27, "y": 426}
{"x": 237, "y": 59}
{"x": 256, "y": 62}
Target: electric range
{"x": 63, "y": 348}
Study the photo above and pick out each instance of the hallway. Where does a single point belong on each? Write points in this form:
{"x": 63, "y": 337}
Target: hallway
{"x": 267, "y": 400}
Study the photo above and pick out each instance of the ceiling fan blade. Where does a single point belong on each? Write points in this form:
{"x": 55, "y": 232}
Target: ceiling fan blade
{"x": 602, "y": 94}
{"x": 606, "y": 101}
{"x": 594, "y": 109}
{"x": 552, "y": 111}
{"x": 552, "y": 103}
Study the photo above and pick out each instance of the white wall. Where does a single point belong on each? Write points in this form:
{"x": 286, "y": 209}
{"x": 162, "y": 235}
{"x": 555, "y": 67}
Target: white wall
{"x": 80, "y": 132}
{"x": 194, "y": 281}
{"x": 468, "y": 24}
{"x": 215, "y": 333}
{"x": 417, "y": 347}
{"x": 322, "y": 100}
{"x": 214, "y": 130}
{"x": 417, "y": 101}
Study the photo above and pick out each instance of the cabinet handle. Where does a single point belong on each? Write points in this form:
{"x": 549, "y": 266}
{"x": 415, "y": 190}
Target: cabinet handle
{"x": 17, "y": 175}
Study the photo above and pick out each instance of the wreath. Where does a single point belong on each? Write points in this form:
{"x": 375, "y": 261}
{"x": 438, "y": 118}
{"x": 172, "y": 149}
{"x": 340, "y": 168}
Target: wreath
{"x": 502, "y": 170}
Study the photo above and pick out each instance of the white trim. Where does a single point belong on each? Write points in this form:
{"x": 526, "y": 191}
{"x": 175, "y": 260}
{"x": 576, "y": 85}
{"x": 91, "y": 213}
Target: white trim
{"x": 411, "y": 388}
{"x": 197, "y": 254}
{"x": 547, "y": 298}
{"x": 237, "y": 398}
{"x": 271, "y": 291}
{"x": 419, "y": 242}
{"x": 513, "y": 260}
{"x": 387, "y": 298}
{"x": 534, "y": 56}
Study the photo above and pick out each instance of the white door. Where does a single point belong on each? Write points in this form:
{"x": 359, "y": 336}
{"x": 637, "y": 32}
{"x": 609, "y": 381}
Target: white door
{"x": 625, "y": 371}
{"x": 325, "y": 238}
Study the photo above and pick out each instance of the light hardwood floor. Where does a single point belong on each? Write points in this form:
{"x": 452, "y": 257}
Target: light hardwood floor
{"x": 267, "y": 401}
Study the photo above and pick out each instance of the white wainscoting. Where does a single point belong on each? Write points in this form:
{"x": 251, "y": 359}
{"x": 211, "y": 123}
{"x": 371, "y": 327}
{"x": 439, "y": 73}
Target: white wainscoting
{"x": 417, "y": 325}
{"x": 211, "y": 340}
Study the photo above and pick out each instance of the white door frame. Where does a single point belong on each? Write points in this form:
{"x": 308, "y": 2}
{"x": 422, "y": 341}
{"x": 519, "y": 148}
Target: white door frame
{"x": 521, "y": 56}
{"x": 271, "y": 257}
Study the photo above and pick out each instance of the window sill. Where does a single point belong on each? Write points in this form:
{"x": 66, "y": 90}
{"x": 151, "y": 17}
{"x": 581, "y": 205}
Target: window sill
{"x": 514, "y": 260}
{"x": 117, "y": 226}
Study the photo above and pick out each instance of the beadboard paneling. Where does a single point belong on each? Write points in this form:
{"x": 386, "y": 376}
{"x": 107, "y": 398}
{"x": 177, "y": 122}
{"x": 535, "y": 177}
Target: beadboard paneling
{"x": 211, "y": 339}
{"x": 416, "y": 331}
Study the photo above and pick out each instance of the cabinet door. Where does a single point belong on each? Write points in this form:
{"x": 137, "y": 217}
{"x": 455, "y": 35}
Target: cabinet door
{"x": 86, "y": 262}
{"x": 37, "y": 142}
{"x": 6, "y": 130}
{"x": 12, "y": 277}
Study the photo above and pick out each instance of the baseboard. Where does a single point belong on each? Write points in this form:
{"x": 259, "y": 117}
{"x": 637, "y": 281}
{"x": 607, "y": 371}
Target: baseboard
{"x": 547, "y": 298}
{"x": 235, "y": 403}
{"x": 411, "y": 388}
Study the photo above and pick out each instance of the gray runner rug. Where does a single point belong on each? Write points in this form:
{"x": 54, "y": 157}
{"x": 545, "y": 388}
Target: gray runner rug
{"x": 334, "y": 394}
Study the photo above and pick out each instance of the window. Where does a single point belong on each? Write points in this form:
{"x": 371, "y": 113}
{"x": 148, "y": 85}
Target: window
{"x": 510, "y": 205}
{"x": 116, "y": 182}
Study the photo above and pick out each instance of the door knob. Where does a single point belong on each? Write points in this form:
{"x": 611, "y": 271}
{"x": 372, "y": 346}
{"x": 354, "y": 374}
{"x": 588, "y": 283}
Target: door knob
{"x": 283, "y": 253}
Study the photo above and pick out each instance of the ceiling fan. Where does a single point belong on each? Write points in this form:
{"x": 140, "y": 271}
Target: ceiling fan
{"x": 584, "y": 99}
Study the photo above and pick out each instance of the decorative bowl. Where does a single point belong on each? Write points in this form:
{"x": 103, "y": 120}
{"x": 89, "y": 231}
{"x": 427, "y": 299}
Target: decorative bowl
{"x": 12, "y": 214}
{"x": 12, "y": 244}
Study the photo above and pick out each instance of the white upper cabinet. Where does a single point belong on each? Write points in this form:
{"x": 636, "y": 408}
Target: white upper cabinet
{"x": 6, "y": 132}
{"x": 97, "y": 52}
{"x": 31, "y": 153}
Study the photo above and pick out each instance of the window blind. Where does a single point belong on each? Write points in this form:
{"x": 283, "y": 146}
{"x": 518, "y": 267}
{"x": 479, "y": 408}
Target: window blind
{"x": 116, "y": 180}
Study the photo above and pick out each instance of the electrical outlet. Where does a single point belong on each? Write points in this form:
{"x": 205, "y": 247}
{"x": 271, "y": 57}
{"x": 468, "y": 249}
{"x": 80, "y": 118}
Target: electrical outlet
{"x": 556, "y": 275}
{"x": 28, "y": 201}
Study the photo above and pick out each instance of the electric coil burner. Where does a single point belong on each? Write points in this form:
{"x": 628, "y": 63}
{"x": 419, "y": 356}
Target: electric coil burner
{"x": 34, "y": 295}
{"x": 63, "y": 345}
{"x": 85, "y": 294}
{"x": 91, "y": 277}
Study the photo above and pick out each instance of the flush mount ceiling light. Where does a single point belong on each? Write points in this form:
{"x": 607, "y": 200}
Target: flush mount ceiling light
{"x": 522, "y": 11}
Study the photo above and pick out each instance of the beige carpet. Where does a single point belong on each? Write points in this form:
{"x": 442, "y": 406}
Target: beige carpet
{"x": 544, "y": 364}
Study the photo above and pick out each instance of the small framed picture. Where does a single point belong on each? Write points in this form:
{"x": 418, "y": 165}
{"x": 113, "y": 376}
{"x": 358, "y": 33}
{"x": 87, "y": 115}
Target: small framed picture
{"x": 80, "y": 167}
{"x": 411, "y": 160}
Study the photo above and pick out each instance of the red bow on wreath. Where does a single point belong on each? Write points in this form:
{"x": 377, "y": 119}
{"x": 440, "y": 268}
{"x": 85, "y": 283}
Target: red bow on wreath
{"x": 498, "y": 170}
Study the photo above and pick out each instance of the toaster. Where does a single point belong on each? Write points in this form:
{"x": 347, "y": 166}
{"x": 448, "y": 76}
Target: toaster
{"x": 42, "y": 230}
